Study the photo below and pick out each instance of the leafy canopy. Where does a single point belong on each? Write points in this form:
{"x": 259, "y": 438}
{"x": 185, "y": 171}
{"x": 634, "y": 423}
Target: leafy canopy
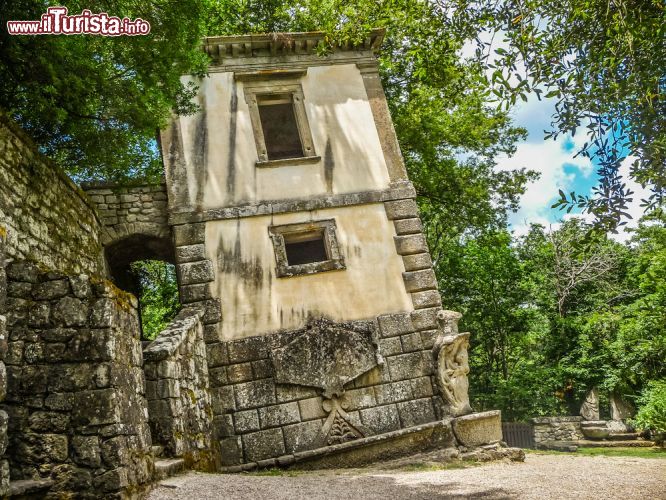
{"x": 604, "y": 64}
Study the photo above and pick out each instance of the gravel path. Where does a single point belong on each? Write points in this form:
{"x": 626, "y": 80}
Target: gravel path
{"x": 540, "y": 477}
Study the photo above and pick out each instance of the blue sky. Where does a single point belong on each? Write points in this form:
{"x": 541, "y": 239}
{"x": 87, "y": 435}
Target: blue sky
{"x": 559, "y": 169}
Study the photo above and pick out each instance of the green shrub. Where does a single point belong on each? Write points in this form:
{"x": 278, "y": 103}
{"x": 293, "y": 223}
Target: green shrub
{"x": 652, "y": 410}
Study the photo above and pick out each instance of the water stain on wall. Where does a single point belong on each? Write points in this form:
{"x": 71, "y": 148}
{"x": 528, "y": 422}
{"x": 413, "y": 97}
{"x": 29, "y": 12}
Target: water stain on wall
{"x": 231, "y": 162}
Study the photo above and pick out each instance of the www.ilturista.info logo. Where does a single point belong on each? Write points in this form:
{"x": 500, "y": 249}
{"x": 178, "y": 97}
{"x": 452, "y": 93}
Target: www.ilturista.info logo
{"x": 57, "y": 22}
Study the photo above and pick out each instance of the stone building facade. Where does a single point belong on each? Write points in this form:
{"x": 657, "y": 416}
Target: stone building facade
{"x": 311, "y": 328}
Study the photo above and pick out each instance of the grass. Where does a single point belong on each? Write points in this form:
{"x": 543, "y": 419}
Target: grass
{"x": 276, "y": 472}
{"x": 432, "y": 466}
{"x": 658, "y": 453}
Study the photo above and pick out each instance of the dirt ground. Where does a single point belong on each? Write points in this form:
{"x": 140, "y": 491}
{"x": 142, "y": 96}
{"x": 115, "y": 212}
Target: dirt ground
{"x": 558, "y": 476}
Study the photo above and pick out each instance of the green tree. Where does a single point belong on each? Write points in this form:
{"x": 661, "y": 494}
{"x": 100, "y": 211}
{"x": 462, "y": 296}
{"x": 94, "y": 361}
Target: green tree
{"x": 94, "y": 103}
{"x": 604, "y": 64}
{"x": 158, "y": 298}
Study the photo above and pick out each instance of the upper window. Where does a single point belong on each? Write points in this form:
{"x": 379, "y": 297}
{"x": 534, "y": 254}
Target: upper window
{"x": 279, "y": 126}
{"x": 306, "y": 248}
{"x": 279, "y": 123}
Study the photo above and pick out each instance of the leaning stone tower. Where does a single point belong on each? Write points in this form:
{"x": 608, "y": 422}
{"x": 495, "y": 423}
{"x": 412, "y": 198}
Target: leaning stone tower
{"x": 296, "y": 230}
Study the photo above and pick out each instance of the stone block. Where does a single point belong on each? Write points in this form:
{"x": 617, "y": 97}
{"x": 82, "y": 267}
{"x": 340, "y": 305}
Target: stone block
{"x": 311, "y": 409}
{"x": 248, "y": 349}
{"x": 279, "y": 415}
{"x": 218, "y": 376}
{"x": 421, "y": 387}
{"x": 23, "y": 271}
{"x": 86, "y": 451}
{"x": 390, "y": 346}
{"x": 223, "y": 426}
{"x": 19, "y": 289}
{"x": 189, "y": 234}
{"x": 263, "y": 369}
{"x": 255, "y": 394}
{"x": 231, "y": 451}
{"x": 361, "y": 398}
{"x": 391, "y": 325}
{"x": 381, "y": 419}
{"x": 81, "y": 286}
{"x": 70, "y": 311}
{"x": 425, "y": 319}
{"x": 4, "y": 425}
{"x": 246, "y": 421}
{"x": 40, "y": 315}
{"x": 194, "y": 293}
{"x": 478, "y": 429}
{"x": 196, "y": 272}
{"x": 241, "y": 372}
{"x": 97, "y": 407}
{"x": 303, "y": 436}
{"x": 51, "y": 289}
{"x": 416, "y": 412}
{"x": 41, "y": 448}
{"x": 408, "y": 226}
{"x": 401, "y": 209}
{"x": 428, "y": 338}
{"x": 393, "y": 392}
{"x": 416, "y": 281}
{"x": 113, "y": 480}
{"x": 427, "y": 298}
{"x": 190, "y": 253}
{"x": 217, "y": 354}
{"x": 222, "y": 399}
{"x": 103, "y": 313}
{"x": 49, "y": 421}
{"x": 406, "y": 366}
{"x": 410, "y": 244}
{"x": 263, "y": 444}
{"x": 290, "y": 392}
{"x": 378, "y": 375}
{"x": 411, "y": 342}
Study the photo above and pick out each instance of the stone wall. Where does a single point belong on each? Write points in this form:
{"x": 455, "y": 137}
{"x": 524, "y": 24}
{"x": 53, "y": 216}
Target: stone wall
{"x": 258, "y": 420}
{"x": 128, "y": 210}
{"x": 557, "y": 429}
{"x": 75, "y": 396}
{"x": 4, "y": 419}
{"x": 47, "y": 218}
{"x": 177, "y": 391}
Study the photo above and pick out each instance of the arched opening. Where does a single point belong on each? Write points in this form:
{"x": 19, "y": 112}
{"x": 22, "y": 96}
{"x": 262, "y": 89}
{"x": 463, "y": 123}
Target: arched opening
{"x": 144, "y": 266}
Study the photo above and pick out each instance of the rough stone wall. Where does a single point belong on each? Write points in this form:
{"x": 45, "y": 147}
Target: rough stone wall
{"x": 177, "y": 391}
{"x": 47, "y": 218}
{"x": 557, "y": 429}
{"x": 76, "y": 389}
{"x": 258, "y": 420}
{"x": 4, "y": 419}
{"x": 125, "y": 211}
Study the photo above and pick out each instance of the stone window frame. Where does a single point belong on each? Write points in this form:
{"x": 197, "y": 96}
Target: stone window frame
{"x": 253, "y": 90}
{"x": 335, "y": 260}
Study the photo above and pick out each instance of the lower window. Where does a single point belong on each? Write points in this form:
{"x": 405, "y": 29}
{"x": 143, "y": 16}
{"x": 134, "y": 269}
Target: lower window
{"x": 306, "y": 248}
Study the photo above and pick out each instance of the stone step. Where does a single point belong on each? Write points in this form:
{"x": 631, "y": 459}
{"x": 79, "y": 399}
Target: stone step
{"x": 627, "y": 436}
{"x": 157, "y": 450}
{"x": 634, "y": 443}
{"x": 168, "y": 467}
{"x": 31, "y": 488}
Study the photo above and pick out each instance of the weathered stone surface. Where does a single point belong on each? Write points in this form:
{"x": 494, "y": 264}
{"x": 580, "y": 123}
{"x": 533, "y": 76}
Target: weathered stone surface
{"x": 401, "y": 209}
{"x": 590, "y": 407}
{"x": 255, "y": 394}
{"x": 51, "y": 290}
{"x": 311, "y": 408}
{"x": 326, "y": 355}
{"x": 279, "y": 415}
{"x": 189, "y": 234}
{"x": 190, "y": 253}
{"x": 246, "y": 421}
{"x": 410, "y": 244}
{"x": 478, "y": 429}
{"x": 263, "y": 444}
{"x": 408, "y": 226}
{"x": 393, "y": 392}
{"x": 427, "y": 298}
{"x": 417, "y": 281}
{"x": 303, "y": 436}
{"x": 86, "y": 451}
{"x": 196, "y": 272}
{"x": 381, "y": 419}
{"x": 405, "y": 366}
{"x": 416, "y": 412}
{"x": 70, "y": 311}
{"x": 391, "y": 325}
{"x": 231, "y": 451}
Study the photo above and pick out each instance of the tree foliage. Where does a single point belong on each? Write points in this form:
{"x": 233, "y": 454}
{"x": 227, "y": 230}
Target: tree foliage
{"x": 94, "y": 103}
{"x": 603, "y": 62}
